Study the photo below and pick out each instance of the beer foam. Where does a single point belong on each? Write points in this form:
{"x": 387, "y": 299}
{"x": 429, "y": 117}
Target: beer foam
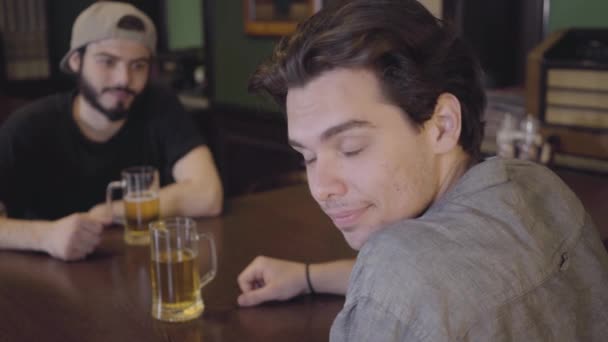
{"x": 142, "y": 197}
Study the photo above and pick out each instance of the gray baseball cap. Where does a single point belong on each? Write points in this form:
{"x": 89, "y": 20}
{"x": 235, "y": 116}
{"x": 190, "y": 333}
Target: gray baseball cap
{"x": 102, "y": 20}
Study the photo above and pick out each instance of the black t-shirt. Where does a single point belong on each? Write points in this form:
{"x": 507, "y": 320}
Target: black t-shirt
{"x": 49, "y": 169}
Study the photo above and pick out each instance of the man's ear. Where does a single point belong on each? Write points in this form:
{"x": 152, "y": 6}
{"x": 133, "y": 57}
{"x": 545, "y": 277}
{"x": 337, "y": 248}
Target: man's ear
{"x": 75, "y": 61}
{"x": 446, "y": 123}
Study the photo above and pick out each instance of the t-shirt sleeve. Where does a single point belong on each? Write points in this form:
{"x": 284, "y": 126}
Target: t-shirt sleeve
{"x": 366, "y": 320}
{"x": 178, "y": 131}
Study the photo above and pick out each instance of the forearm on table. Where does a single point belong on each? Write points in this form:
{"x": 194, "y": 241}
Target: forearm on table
{"x": 331, "y": 277}
{"x": 185, "y": 198}
{"x": 190, "y": 198}
{"x": 23, "y": 234}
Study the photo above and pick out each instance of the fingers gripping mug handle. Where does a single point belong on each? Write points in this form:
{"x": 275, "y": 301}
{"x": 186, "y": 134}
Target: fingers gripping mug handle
{"x": 110, "y": 191}
{"x": 212, "y": 251}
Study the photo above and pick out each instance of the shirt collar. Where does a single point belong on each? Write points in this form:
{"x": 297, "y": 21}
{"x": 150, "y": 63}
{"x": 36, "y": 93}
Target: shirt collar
{"x": 488, "y": 173}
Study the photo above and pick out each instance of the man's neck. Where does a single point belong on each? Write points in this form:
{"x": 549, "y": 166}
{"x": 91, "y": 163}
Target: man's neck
{"x": 455, "y": 165}
{"x": 93, "y": 124}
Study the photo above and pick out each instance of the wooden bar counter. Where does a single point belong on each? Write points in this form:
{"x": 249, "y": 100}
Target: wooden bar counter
{"x": 107, "y": 297}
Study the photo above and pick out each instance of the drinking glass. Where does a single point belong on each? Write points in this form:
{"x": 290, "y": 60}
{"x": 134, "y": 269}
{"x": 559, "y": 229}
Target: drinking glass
{"x": 175, "y": 268}
{"x": 140, "y": 186}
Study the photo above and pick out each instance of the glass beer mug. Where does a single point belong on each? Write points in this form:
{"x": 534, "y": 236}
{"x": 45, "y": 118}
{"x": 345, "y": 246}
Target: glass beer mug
{"x": 140, "y": 186}
{"x": 174, "y": 269}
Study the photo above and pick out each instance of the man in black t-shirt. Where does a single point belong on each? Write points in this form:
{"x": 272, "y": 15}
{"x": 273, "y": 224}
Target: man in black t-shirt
{"x": 58, "y": 154}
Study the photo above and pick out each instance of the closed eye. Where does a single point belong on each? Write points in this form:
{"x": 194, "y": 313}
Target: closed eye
{"x": 307, "y": 156}
{"x": 352, "y": 153}
{"x": 309, "y": 161}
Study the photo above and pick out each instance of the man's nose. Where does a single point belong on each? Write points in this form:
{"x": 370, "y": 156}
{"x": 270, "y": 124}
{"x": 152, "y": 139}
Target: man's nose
{"x": 326, "y": 180}
{"x": 122, "y": 75}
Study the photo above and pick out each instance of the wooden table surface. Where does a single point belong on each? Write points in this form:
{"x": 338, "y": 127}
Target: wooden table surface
{"x": 107, "y": 296}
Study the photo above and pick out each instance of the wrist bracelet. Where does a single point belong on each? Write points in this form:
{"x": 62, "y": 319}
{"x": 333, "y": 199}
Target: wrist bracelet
{"x": 311, "y": 290}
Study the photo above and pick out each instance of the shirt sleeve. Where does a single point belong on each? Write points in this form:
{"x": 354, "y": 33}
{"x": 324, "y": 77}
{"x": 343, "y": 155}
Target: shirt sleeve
{"x": 366, "y": 320}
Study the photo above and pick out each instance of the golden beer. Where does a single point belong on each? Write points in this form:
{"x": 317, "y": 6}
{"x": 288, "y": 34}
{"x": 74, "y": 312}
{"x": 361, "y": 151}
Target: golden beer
{"x": 139, "y": 212}
{"x": 175, "y": 286}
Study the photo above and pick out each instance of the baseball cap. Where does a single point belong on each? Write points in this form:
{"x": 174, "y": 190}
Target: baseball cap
{"x": 103, "y": 20}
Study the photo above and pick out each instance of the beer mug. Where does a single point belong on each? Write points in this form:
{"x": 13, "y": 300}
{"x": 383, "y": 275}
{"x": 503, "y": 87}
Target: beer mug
{"x": 140, "y": 186}
{"x": 174, "y": 269}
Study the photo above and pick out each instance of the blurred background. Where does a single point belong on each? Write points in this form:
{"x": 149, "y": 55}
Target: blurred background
{"x": 208, "y": 49}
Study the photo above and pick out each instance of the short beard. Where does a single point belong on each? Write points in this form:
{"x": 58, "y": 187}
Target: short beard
{"x": 120, "y": 112}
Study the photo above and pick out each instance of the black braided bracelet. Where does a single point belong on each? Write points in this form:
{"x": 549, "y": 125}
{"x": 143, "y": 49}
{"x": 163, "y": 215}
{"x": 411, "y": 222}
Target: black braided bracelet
{"x": 311, "y": 290}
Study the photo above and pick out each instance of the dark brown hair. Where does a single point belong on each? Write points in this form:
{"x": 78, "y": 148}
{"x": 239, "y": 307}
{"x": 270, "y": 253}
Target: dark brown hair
{"x": 415, "y": 56}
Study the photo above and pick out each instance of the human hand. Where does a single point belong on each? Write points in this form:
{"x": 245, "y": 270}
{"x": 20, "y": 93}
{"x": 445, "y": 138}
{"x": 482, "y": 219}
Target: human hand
{"x": 73, "y": 237}
{"x": 101, "y": 213}
{"x": 267, "y": 279}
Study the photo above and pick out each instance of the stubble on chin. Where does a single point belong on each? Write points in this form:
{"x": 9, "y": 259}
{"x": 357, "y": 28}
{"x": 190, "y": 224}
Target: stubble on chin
{"x": 92, "y": 96}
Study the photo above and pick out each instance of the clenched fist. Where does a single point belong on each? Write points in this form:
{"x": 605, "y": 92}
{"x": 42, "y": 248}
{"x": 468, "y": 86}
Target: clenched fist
{"x": 268, "y": 279}
{"x": 73, "y": 237}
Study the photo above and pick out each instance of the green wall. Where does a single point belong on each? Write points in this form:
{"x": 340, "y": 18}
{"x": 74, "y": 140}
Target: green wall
{"x": 579, "y": 13}
{"x": 184, "y": 18}
{"x": 236, "y": 56}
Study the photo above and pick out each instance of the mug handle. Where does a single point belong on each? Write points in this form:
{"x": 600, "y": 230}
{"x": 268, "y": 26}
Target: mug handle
{"x": 211, "y": 274}
{"x": 109, "y": 191}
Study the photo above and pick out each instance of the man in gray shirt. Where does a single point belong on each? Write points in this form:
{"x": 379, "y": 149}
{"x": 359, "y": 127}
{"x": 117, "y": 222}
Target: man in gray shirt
{"x": 385, "y": 104}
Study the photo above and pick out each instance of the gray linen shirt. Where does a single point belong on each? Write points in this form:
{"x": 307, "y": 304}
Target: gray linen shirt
{"x": 508, "y": 254}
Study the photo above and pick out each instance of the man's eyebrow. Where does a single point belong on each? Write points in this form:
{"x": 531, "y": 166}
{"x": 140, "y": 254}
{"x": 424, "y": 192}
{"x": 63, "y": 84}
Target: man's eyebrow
{"x": 105, "y": 54}
{"x": 337, "y": 129}
{"x": 109, "y": 55}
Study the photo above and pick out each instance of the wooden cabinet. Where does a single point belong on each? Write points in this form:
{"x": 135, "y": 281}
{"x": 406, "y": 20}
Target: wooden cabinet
{"x": 250, "y": 149}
